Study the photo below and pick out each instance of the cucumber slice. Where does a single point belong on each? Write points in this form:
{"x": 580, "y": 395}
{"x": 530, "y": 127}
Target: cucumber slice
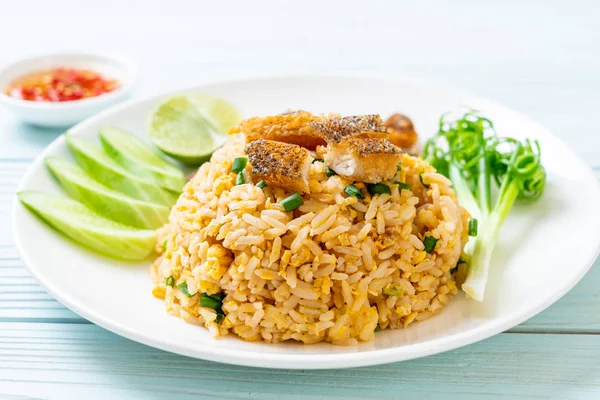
{"x": 84, "y": 226}
{"x": 190, "y": 128}
{"x": 109, "y": 203}
{"x": 131, "y": 153}
{"x": 106, "y": 171}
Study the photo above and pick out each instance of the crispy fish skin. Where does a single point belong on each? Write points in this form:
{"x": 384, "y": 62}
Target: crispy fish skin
{"x": 290, "y": 127}
{"x": 364, "y": 159}
{"x": 280, "y": 164}
{"x": 336, "y": 130}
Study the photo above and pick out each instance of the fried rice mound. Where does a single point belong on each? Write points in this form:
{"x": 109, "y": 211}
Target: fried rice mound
{"x": 336, "y": 269}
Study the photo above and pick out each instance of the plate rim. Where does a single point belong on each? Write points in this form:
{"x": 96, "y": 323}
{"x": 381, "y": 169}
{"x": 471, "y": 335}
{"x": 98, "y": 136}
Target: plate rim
{"x": 297, "y": 361}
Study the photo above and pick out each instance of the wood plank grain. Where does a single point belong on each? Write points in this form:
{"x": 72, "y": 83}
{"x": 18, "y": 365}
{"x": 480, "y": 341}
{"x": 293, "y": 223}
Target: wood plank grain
{"x": 79, "y": 359}
{"x": 537, "y": 59}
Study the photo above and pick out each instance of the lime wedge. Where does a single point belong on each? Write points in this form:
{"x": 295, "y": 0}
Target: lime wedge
{"x": 106, "y": 171}
{"x": 86, "y": 227}
{"x": 131, "y": 153}
{"x": 190, "y": 128}
{"x": 109, "y": 203}
{"x": 222, "y": 114}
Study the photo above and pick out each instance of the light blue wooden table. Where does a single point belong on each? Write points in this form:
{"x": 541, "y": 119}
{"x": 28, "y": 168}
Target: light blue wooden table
{"x": 542, "y": 58}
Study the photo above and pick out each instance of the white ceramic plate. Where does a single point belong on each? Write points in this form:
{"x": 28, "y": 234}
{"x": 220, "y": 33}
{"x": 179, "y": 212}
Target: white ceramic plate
{"x": 542, "y": 252}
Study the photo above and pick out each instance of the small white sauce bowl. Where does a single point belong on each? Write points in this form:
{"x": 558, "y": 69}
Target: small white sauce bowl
{"x": 64, "y": 114}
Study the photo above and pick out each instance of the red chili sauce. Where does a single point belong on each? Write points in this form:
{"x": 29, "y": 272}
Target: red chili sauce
{"x": 61, "y": 84}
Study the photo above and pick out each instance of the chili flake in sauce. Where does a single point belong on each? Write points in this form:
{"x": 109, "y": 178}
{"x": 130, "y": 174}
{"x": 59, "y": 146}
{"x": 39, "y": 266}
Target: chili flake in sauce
{"x": 61, "y": 84}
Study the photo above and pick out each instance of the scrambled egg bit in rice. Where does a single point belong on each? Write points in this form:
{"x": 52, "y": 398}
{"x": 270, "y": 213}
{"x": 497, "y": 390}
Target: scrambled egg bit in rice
{"x": 304, "y": 250}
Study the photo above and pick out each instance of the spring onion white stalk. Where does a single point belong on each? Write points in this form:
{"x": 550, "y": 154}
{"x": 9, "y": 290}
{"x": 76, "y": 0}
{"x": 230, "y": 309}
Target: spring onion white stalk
{"x": 468, "y": 152}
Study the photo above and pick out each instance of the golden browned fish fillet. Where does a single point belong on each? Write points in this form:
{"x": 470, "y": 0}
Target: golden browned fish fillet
{"x": 280, "y": 164}
{"x": 335, "y": 130}
{"x": 289, "y": 127}
{"x": 364, "y": 159}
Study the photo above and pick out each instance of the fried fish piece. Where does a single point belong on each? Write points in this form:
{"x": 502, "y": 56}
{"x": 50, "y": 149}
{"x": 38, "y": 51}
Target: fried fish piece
{"x": 336, "y": 130}
{"x": 280, "y": 164}
{"x": 290, "y": 127}
{"x": 364, "y": 159}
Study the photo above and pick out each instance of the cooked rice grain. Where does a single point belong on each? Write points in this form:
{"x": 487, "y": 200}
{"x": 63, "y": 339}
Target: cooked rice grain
{"x": 315, "y": 274}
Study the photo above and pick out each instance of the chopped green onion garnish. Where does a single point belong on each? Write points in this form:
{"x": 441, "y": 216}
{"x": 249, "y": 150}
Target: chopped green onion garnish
{"x": 318, "y": 160}
{"x": 211, "y": 302}
{"x": 352, "y": 190}
{"x": 184, "y": 289}
{"x": 239, "y": 164}
{"x": 261, "y": 184}
{"x": 429, "y": 242}
{"x": 292, "y": 202}
{"x": 473, "y": 227}
{"x": 239, "y": 179}
{"x": 399, "y": 167}
{"x": 402, "y": 186}
{"x": 164, "y": 246}
{"x": 214, "y": 301}
{"x": 421, "y": 179}
{"x": 378, "y": 188}
{"x": 170, "y": 281}
{"x": 393, "y": 290}
{"x": 329, "y": 172}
